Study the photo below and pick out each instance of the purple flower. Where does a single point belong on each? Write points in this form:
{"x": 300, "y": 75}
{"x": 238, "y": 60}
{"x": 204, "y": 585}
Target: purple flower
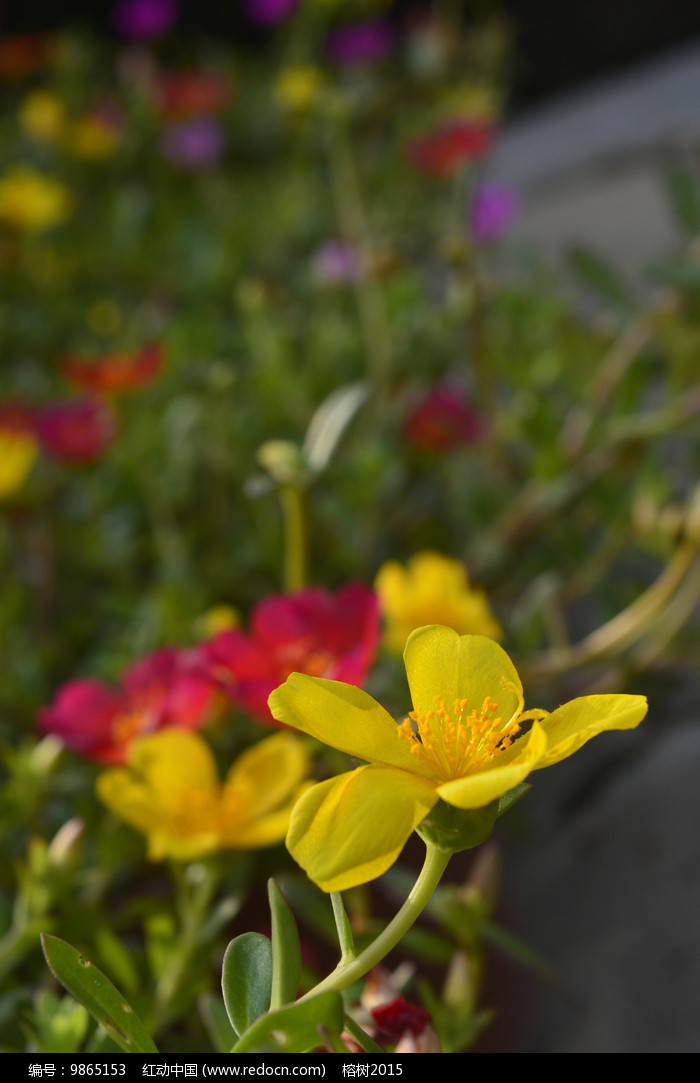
{"x": 144, "y": 18}
{"x": 360, "y": 42}
{"x": 269, "y": 12}
{"x": 194, "y": 143}
{"x": 493, "y": 208}
{"x": 335, "y": 262}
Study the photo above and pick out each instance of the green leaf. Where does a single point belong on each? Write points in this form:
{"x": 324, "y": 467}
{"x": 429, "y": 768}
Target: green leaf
{"x": 216, "y": 1021}
{"x": 294, "y": 1029}
{"x": 330, "y": 421}
{"x": 517, "y": 949}
{"x": 596, "y": 272}
{"x": 286, "y": 950}
{"x": 246, "y": 979}
{"x": 682, "y": 190}
{"x": 683, "y": 275}
{"x": 95, "y": 992}
{"x": 312, "y": 903}
{"x": 116, "y": 958}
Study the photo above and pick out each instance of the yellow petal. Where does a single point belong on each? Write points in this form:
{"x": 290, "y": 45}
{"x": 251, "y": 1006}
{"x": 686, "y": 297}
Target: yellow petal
{"x": 506, "y": 771}
{"x": 170, "y": 792}
{"x": 265, "y": 830}
{"x": 264, "y": 775}
{"x": 17, "y": 454}
{"x": 344, "y": 717}
{"x": 576, "y": 722}
{"x": 128, "y": 797}
{"x": 174, "y": 762}
{"x": 350, "y": 829}
{"x": 440, "y": 664}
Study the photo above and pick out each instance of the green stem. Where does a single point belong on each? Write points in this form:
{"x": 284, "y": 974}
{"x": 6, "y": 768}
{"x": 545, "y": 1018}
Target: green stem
{"x": 355, "y": 230}
{"x": 346, "y": 973}
{"x": 294, "y": 538}
{"x": 362, "y": 1038}
{"x": 345, "y": 937}
{"x": 194, "y": 904}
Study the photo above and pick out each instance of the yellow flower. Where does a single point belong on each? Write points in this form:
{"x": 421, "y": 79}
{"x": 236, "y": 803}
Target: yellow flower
{"x": 432, "y": 589}
{"x": 217, "y": 619}
{"x": 18, "y": 450}
{"x": 42, "y": 116}
{"x": 171, "y": 792}
{"x": 466, "y": 742}
{"x": 31, "y": 201}
{"x": 298, "y": 87}
{"x": 92, "y": 137}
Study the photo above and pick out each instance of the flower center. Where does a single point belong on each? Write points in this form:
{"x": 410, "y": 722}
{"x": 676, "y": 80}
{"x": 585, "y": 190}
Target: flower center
{"x": 130, "y": 724}
{"x": 459, "y": 742}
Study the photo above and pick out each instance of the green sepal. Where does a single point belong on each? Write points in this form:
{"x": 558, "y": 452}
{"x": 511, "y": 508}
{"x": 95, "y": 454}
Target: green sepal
{"x": 95, "y": 992}
{"x": 455, "y": 829}
{"x": 246, "y": 979}
{"x": 286, "y": 949}
{"x": 294, "y": 1029}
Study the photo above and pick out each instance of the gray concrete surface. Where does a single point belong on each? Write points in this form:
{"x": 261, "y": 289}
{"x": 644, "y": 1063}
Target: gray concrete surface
{"x": 590, "y": 165}
{"x": 605, "y": 881}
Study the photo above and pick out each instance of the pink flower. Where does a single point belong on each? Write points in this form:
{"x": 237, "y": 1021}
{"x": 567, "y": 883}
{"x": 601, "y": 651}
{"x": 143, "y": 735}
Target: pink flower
{"x": 313, "y": 631}
{"x": 75, "y": 430}
{"x": 269, "y": 12}
{"x": 444, "y": 421}
{"x": 195, "y": 143}
{"x": 164, "y": 689}
{"x": 493, "y": 208}
{"x": 360, "y": 43}
{"x": 336, "y": 262}
{"x": 145, "y": 18}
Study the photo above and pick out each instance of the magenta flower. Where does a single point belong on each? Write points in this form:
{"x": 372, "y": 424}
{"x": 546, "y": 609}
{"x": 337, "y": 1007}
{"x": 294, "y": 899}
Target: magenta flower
{"x": 165, "y": 689}
{"x": 313, "y": 631}
{"x": 75, "y": 430}
{"x": 269, "y": 12}
{"x": 144, "y": 18}
{"x": 336, "y": 262}
{"x": 493, "y": 208}
{"x": 195, "y": 143}
{"x": 360, "y": 43}
{"x": 444, "y": 421}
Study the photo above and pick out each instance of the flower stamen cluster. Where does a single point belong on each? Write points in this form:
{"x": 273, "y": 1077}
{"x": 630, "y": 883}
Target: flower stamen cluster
{"x": 459, "y": 742}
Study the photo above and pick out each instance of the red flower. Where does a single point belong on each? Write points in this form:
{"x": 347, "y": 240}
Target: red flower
{"x": 398, "y": 1017}
{"x": 312, "y": 632}
{"x": 443, "y": 421}
{"x": 164, "y": 689}
{"x": 25, "y": 54}
{"x": 76, "y": 430}
{"x": 185, "y": 94}
{"x": 445, "y": 150}
{"x": 117, "y": 372}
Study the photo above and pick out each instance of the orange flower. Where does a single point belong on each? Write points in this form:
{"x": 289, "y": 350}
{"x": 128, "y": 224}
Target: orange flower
{"x": 117, "y": 372}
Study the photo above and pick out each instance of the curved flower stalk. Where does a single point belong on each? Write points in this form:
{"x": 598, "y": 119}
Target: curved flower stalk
{"x": 431, "y": 589}
{"x": 171, "y": 792}
{"x": 467, "y": 742}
